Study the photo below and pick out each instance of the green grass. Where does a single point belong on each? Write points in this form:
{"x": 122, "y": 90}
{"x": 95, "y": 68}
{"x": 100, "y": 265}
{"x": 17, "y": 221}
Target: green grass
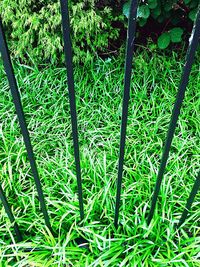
{"x": 99, "y": 101}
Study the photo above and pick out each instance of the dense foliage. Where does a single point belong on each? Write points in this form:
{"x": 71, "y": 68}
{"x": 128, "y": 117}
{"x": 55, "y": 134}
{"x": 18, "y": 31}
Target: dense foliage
{"x": 173, "y": 15}
{"x": 98, "y": 26}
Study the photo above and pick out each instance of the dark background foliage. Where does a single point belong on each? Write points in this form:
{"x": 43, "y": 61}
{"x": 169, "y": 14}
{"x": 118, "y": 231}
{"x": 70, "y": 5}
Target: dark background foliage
{"x": 98, "y": 27}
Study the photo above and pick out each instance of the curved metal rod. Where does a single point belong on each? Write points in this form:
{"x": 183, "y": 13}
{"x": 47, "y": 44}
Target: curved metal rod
{"x": 190, "y": 200}
{"x": 127, "y": 85}
{"x": 10, "y": 215}
{"x": 72, "y": 98}
{"x": 176, "y": 111}
{"x": 20, "y": 113}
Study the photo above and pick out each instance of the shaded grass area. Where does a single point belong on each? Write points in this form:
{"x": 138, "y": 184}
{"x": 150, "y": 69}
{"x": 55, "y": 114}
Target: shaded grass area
{"x": 99, "y": 101}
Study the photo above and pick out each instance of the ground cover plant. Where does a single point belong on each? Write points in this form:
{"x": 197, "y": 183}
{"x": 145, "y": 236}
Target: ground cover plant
{"x": 99, "y": 97}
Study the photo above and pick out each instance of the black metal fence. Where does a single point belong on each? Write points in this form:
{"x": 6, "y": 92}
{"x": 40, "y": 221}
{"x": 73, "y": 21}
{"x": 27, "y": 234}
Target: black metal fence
{"x": 194, "y": 41}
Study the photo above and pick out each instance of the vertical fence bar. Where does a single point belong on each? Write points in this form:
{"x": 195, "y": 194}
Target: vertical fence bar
{"x": 176, "y": 111}
{"x": 190, "y": 200}
{"x": 20, "y": 113}
{"x": 10, "y": 214}
{"x": 127, "y": 83}
{"x": 72, "y": 97}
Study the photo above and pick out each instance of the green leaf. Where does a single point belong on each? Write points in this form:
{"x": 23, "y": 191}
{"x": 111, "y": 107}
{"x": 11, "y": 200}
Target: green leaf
{"x": 161, "y": 18}
{"x": 176, "y": 20}
{"x": 156, "y": 12}
{"x": 152, "y": 4}
{"x": 192, "y": 14}
{"x": 176, "y": 35}
{"x": 143, "y": 12}
{"x": 142, "y": 22}
{"x": 164, "y": 40}
{"x": 126, "y": 9}
{"x": 168, "y": 6}
{"x": 193, "y": 4}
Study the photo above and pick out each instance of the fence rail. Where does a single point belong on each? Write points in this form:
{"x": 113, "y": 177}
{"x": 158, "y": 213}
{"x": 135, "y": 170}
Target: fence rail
{"x": 194, "y": 41}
